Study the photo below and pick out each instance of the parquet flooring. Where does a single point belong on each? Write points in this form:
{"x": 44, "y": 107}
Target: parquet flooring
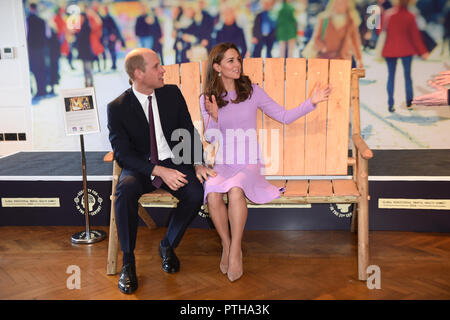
{"x": 285, "y": 265}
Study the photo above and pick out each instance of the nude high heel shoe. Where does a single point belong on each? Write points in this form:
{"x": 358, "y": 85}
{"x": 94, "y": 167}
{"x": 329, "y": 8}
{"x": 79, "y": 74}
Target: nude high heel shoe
{"x": 234, "y": 275}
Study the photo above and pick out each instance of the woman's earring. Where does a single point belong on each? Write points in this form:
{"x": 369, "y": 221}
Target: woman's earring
{"x": 220, "y": 74}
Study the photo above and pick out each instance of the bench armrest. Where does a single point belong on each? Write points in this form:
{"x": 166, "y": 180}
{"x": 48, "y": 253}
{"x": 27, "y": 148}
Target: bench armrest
{"x": 362, "y": 147}
{"x": 109, "y": 157}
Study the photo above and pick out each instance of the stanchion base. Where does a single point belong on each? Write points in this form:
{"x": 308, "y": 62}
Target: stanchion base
{"x": 95, "y": 236}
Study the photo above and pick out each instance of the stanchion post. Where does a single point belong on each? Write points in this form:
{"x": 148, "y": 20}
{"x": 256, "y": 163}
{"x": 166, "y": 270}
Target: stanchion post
{"x": 88, "y": 236}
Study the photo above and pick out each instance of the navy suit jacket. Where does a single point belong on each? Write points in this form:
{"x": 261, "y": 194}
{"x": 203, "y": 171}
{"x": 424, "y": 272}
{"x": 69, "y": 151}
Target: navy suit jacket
{"x": 129, "y": 131}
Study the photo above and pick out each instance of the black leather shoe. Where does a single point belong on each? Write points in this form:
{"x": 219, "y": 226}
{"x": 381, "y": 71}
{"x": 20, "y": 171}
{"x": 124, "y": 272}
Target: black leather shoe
{"x": 128, "y": 280}
{"x": 170, "y": 262}
{"x": 391, "y": 109}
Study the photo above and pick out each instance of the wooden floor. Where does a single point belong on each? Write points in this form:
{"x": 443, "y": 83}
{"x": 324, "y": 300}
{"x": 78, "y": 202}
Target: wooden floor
{"x": 277, "y": 265}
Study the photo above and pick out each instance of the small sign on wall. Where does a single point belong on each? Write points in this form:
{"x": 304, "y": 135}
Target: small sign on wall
{"x": 30, "y": 202}
{"x": 424, "y": 204}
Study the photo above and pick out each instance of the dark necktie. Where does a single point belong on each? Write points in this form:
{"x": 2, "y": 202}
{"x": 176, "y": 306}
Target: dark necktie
{"x": 157, "y": 181}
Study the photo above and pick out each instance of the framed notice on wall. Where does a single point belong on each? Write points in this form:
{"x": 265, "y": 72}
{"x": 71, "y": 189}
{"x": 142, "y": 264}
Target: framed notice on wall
{"x": 80, "y": 111}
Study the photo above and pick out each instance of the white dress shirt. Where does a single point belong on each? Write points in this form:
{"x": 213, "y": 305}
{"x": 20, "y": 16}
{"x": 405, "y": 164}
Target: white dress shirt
{"x": 164, "y": 151}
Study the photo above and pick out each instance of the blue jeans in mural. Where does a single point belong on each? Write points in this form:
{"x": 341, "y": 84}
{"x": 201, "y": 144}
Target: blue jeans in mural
{"x": 146, "y": 42}
{"x": 392, "y": 65}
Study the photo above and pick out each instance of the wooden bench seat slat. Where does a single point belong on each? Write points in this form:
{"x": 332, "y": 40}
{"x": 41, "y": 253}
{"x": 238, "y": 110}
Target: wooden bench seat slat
{"x": 322, "y": 188}
{"x": 345, "y": 188}
{"x": 296, "y": 188}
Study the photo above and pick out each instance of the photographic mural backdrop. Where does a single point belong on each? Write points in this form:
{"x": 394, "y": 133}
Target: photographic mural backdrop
{"x": 73, "y": 44}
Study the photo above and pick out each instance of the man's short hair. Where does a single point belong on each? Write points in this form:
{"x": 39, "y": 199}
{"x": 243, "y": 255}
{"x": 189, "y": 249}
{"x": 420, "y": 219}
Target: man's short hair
{"x": 134, "y": 62}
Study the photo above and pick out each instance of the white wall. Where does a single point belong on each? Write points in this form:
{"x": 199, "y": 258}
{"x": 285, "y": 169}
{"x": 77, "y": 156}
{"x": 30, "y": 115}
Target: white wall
{"x": 15, "y": 96}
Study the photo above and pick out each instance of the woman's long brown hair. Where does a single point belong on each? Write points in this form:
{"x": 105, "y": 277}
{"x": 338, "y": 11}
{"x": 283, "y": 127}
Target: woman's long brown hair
{"x": 213, "y": 84}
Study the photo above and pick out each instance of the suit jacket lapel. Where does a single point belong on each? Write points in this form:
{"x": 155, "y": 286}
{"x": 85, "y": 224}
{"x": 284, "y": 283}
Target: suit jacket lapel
{"x": 137, "y": 109}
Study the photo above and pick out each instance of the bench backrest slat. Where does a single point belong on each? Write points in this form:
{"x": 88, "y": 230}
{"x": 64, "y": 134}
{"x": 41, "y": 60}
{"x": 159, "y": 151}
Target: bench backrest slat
{"x": 191, "y": 88}
{"x": 338, "y": 117}
{"x": 172, "y": 75}
{"x": 294, "y": 133}
{"x": 272, "y": 141}
{"x": 316, "y": 121}
{"x": 313, "y": 145}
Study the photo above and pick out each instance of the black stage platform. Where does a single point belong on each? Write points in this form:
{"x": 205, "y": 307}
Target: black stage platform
{"x": 409, "y": 189}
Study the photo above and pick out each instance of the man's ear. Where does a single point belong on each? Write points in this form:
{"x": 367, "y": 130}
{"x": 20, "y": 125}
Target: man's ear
{"x": 138, "y": 74}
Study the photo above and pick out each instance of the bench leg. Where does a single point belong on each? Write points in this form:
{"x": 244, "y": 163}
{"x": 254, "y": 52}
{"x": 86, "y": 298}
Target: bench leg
{"x": 354, "y": 225}
{"x": 363, "y": 220}
{"x": 113, "y": 245}
{"x": 146, "y": 217}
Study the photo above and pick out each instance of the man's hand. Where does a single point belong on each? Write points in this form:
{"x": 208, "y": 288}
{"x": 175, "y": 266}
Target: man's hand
{"x": 203, "y": 172}
{"x": 174, "y": 179}
{"x": 437, "y": 98}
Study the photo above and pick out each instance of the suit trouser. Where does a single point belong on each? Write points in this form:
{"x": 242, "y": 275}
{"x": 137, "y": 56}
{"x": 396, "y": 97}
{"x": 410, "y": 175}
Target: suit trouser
{"x": 130, "y": 188}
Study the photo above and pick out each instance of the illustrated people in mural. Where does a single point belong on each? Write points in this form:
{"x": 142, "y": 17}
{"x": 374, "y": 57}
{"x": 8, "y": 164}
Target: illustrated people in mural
{"x": 336, "y": 35}
{"x": 229, "y": 31}
{"x": 95, "y": 24}
{"x": 148, "y": 30}
{"x": 187, "y": 32}
{"x": 206, "y": 27}
{"x": 230, "y": 95}
{"x": 264, "y": 30}
{"x": 53, "y": 53}
{"x": 286, "y": 29}
{"x": 403, "y": 41}
{"x": 110, "y": 36}
{"x": 36, "y": 41}
{"x": 64, "y": 35}
{"x": 85, "y": 51}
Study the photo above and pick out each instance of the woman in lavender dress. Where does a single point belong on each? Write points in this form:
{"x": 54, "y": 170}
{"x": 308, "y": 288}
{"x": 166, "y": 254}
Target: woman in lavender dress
{"x": 229, "y": 106}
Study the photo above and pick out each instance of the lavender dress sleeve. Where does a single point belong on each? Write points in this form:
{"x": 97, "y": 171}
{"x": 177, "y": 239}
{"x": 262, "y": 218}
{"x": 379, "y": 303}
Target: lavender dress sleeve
{"x": 277, "y": 112}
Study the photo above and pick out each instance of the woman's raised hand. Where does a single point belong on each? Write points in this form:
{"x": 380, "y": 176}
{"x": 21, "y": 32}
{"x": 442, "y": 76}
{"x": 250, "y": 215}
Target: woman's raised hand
{"x": 320, "y": 94}
{"x": 211, "y": 106}
{"x": 443, "y": 78}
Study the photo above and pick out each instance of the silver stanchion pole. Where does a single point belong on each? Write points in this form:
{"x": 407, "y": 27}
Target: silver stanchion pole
{"x": 88, "y": 236}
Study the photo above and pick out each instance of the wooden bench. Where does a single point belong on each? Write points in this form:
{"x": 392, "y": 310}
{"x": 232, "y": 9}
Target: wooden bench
{"x": 312, "y": 152}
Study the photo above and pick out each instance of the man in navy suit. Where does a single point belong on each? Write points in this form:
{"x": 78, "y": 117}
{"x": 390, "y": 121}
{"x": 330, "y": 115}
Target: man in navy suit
{"x": 141, "y": 122}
